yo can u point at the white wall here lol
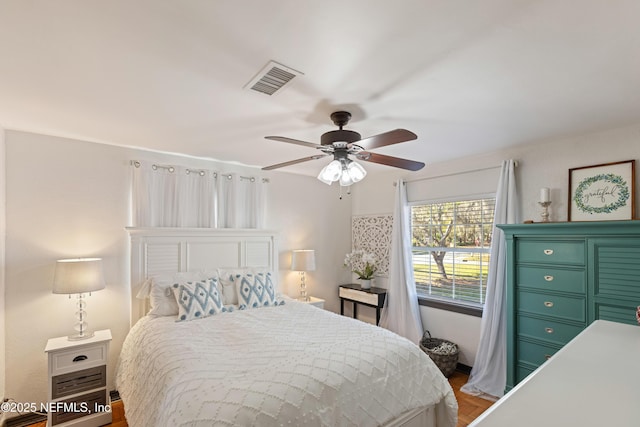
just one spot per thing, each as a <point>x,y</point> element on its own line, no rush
<point>541,164</point>
<point>3,205</point>
<point>68,198</point>
<point>310,215</point>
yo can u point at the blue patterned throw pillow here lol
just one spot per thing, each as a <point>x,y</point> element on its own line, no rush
<point>255,290</point>
<point>198,299</point>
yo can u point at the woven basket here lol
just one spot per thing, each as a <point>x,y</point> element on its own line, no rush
<point>448,361</point>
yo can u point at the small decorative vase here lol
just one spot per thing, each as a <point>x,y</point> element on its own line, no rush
<point>365,283</point>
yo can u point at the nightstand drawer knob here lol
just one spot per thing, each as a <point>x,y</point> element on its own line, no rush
<point>548,330</point>
<point>548,251</point>
<point>80,358</point>
<point>548,304</point>
<point>548,278</point>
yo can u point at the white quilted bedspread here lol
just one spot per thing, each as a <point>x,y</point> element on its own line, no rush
<point>290,365</point>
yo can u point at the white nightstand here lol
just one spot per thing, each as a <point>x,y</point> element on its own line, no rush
<point>78,394</point>
<point>316,302</point>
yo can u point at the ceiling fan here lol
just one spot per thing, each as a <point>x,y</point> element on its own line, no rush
<point>342,143</point>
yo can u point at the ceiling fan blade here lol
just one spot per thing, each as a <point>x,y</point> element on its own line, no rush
<point>388,138</point>
<point>396,162</point>
<point>293,162</point>
<point>293,141</point>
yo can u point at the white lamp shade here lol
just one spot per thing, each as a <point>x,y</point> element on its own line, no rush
<point>331,172</point>
<point>303,260</point>
<point>345,179</point>
<point>345,171</point>
<point>356,171</point>
<point>77,276</point>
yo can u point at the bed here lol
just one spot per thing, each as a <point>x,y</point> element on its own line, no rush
<point>274,362</point>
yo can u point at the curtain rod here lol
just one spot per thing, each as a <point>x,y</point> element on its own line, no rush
<point>250,178</point>
<point>201,172</point>
<point>455,173</point>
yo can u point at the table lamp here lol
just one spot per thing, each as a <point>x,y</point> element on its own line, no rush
<point>303,260</point>
<point>79,276</point>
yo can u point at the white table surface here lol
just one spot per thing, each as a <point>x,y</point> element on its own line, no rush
<point>63,342</point>
<point>593,381</point>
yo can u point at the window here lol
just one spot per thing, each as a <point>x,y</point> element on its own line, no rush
<point>451,249</point>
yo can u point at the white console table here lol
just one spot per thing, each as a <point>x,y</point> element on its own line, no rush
<point>592,381</point>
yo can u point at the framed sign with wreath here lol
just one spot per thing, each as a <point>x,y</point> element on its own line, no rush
<point>602,192</point>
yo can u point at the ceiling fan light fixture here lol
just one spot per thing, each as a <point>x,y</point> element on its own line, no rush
<point>331,172</point>
<point>356,171</point>
<point>345,179</point>
<point>343,170</point>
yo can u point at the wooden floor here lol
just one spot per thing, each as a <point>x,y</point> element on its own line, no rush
<point>469,407</point>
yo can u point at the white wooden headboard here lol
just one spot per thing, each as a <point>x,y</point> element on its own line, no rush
<point>172,250</point>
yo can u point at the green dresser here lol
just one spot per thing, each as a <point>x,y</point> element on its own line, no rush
<point>560,278</point>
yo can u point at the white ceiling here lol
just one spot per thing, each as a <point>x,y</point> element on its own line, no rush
<point>465,76</point>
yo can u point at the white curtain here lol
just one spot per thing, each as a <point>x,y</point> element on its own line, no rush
<point>401,312</point>
<point>250,213</point>
<point>489,372</point>
<point>154,196</point>
<point>174,196</point>
<point>196,198</point>
<point>226,201</point>
<point>240,201</point>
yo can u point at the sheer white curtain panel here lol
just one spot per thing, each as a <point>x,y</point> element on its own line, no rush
<point>154,196</point>
<point>227,204</point>
<point>240,201</point>
<point>250,212</point>
<point>489,372</point>
<point>196,198</point>
<point>174,196</point>
<point>401,311</point>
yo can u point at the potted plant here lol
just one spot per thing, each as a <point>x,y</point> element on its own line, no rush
<point>363,264</point>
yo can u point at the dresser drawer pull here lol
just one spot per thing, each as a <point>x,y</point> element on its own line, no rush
<point>548,330</point>
<point>548,304</point>
<point>547,356</point>
<point>80,358</point>
<point>548,251</point>
<point>548,278</point>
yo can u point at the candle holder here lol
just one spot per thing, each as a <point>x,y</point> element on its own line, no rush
<point>545,210</point>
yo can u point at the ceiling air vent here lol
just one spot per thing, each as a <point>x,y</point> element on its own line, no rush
<point>272,78</point>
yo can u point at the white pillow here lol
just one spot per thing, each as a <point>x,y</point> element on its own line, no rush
<point>198,299</point>
<point>255,290</point>
<point>227,276</point>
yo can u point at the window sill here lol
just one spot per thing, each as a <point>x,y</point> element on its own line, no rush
<point>451,306</point>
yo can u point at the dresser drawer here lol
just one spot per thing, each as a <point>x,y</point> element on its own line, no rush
<point>547,330</point>
<point>522,372</point>
<point>78,382</point>
<point>78,358</point>
<point>535,354</point>
<point>374,299</point>
<point>559,306</point>
<point>551,252</point>
<point>554,279</point>
<point>81,406</point>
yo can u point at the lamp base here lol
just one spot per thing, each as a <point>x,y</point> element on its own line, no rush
<point>80,337</point>
<point>303,288</point>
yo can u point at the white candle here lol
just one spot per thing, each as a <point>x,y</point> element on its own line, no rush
<point>544,195</point>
